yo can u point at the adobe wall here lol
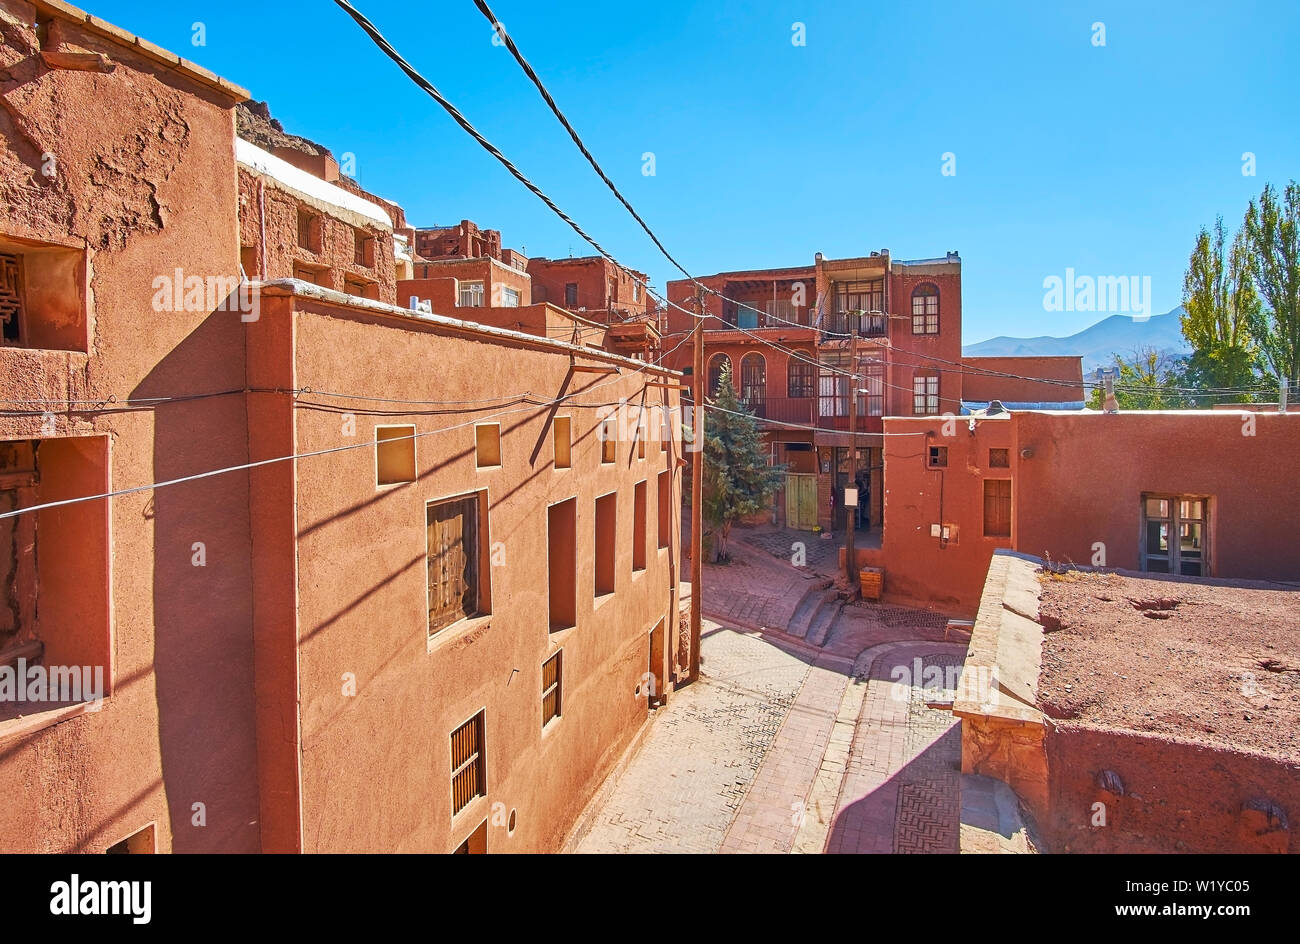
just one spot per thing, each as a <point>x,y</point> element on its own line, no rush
<point>268,230</point>
<point>981,388</point>
<point>1082,485</point>
<point>376,766</point>
<point>921,569</point>
<point>1177,796</point>
<point>141,194</point>
<point>492,274</point>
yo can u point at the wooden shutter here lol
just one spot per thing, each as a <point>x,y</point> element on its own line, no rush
<point>551,689</point>
<point>453,561</point>
<point>997,507</point>
<point>467,774</point>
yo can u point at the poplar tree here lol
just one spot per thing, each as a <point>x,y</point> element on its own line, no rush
<point>1219,301</point>
<point>1273,234</point>
<point>737,478</point>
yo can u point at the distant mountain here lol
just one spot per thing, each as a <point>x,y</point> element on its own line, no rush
<point>1118,334</point>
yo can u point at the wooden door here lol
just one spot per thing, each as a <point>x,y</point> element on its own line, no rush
<point>453,561</point>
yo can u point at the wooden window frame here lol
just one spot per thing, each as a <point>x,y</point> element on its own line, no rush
<point>483,574</point>
<point>1173,558</point>
<point>478,447</point>
<point>415,455</point>
<point>1010,498</point>
<point>478,759</point>
<point>923,398</point>
<point>936,457</point>
<point>925,315</point>
<point>800,380</point>
<point>557,687</point>
<point>565,422</point>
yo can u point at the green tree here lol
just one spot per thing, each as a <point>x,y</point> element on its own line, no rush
<point>1219,301</point>
<point>1149,380</point>
<point>737,478</point>
<point>1273,235</point>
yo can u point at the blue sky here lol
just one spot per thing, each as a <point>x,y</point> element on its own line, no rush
<point>1101,159</point>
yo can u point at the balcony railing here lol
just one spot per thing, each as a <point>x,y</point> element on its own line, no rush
<point>865,324</point>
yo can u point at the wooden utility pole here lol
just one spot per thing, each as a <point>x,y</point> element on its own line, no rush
<point>697,488</point>
<point>850,557</point>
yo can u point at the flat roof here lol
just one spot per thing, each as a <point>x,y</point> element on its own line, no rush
<point>191,70</point>
<point>309,290</point>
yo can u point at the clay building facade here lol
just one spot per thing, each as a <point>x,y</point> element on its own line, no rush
<point>300,595</point>
<point>591,285</point>
<point>1154,492</point>
<point>901,320</point>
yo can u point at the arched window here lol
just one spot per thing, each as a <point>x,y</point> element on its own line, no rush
<point>715,373</point>
<point>753,381</point>
<point>925,309</point>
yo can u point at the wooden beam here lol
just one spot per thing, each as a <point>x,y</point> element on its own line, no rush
<point>590,369</point>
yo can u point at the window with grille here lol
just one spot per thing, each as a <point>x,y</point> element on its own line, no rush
<point>470,295</point>
<point>999,459</point>
<point>363,248</point>
<point>925,310</point>
<point>309,229</point>
<point>11,299</point>
<point>468,769</point>
<point>551,680</point>
<point>453,561</point>
<point>801,379</point>
<point>997,508</point>
<point>571,295</point>
<point>925,395</point>
<point>509,297</point>
<point>753,381</point>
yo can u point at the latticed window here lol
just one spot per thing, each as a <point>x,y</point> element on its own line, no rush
<point>453,561</point>
<point>11,299</point>
<point>551,678</point>
<point>470,295</point>
<point>925,395</point>
<point>801,379</point>
<point>468,770</point>
<point>925,310</point>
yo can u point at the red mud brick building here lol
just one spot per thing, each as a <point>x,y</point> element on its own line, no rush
<point>361,588</point>
<point>901,321</point>
<point>1205,493</point>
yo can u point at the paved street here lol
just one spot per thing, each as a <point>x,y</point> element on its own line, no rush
<point>789,749</point>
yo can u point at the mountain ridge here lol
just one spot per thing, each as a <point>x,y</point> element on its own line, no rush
<point>1097,344</point>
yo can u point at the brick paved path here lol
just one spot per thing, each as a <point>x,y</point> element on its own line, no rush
<point>683,788</point>
<point>781,749</point>
<point>901,790</point>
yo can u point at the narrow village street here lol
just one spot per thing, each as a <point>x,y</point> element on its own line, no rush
<point>796,738</point>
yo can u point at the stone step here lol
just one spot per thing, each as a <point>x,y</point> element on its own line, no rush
<point>824,619</point>
<point>801,620</point>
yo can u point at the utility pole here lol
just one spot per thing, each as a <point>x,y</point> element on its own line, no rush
<point>850,557</point>
<point>697,489</point>
<point>1283,389</point>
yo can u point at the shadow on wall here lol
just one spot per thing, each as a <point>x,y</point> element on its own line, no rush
<point>202,592</point>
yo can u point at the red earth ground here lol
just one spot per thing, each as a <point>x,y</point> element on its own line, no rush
<point>1216,662</point>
